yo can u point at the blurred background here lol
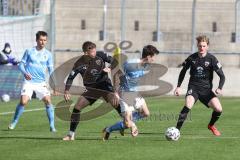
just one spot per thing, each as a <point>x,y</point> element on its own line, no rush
<point>170,25</point>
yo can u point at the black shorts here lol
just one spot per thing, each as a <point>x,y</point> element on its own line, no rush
<point>204,95</point>
<point>94,92</point>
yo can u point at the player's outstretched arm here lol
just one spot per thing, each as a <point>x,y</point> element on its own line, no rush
<point>69,82</point>
<point>67,95</point>
<point>109,59</point>
<point>27,76</point>
<point>116,86</point>
<point>180,80</point>
<point>221,78</point>
<point>186,66</point>
<point>68,85</point>
<point>221,81</point>
<point>217,67</point>
<point>21,65</point>
<point>116,80</point>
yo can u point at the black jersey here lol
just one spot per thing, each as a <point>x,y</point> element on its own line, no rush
<point>91,69</point>
<point>201,71</point>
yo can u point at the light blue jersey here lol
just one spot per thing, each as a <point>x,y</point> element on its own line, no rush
<point>133,71</point>
<point>35,63</point>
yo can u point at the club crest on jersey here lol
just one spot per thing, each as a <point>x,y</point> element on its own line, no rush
<point>98,62</point>
<point>189,91</point>
<point>45,57</point>
<point>207,64</point>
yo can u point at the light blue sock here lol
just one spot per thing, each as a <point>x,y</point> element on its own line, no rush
<point>18,112</point>
<point>50,115</point>
<point>120,125</point>
<point>137,116</point>
<point>116,127</point>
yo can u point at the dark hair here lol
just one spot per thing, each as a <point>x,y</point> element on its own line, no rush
<point>41,33</point>
<point>149,50</point>
<point>88,46</point>
<point>7,45</point>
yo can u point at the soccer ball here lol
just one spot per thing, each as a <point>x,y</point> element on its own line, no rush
<point>5,98</point>
<point>172,134</point>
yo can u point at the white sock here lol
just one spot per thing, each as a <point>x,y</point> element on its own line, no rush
<point>71,133</point>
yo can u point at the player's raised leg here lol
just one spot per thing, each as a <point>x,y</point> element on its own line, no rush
<point>75,117</point>
<point>141,108</point>
<point>113,99</point>
<point>131,114</point>
<point>129,118</point>
<point>18,112</point>
<point>217,111</point>
<point>189,102</point>
<point>119,126</point>
<point>126,123</point>
<point>129,123</point>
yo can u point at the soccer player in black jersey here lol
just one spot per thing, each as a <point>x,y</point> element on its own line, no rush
<point>201,64</point>
<point>94,73</point>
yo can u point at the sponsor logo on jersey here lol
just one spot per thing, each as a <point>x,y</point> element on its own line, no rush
<point>200,72</point>
<point>199,69</point>
<point>94,71</point>
<point>189,91</point>
<point>193,62</point>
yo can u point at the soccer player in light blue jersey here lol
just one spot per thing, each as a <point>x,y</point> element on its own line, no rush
<point>133,106</point>
<point>33,66</point>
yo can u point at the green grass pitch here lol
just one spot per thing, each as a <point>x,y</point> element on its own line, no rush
<point>32,140</point>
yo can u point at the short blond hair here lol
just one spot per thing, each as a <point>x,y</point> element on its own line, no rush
<point>202,38</point>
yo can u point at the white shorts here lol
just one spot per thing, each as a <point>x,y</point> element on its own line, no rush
<point>40,89</point>
<point>136,106</point>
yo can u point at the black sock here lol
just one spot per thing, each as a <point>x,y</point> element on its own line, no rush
<point>75,118</point>
<point>118,109</point>
<point>182,117</point>
<point>215,117</point>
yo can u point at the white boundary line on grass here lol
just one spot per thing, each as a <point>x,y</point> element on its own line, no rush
<point>33,110</point>
<point>29,110</point>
